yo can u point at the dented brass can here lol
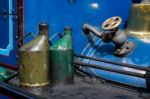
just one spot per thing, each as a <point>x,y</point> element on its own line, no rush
<point>61,60</point>
<point>139,21</point>
<point>34,60</point>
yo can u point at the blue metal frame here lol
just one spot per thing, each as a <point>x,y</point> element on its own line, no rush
<point>9,47</point>
<point>8,29</point>
<point>60,13</point>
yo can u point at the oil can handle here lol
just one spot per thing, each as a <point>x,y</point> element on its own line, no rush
<point>23,37</point>
<point>53,36</point>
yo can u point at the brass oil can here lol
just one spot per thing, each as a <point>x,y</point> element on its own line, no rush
<point>34,60</point>
<point>139,21</point>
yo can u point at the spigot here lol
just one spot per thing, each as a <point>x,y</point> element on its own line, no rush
<point>111,33</point>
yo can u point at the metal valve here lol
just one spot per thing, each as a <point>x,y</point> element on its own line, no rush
<point>111,33</point>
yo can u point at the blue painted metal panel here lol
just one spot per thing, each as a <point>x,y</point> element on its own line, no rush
<point>8,43</point>
<point>60,13</point>
<point>105,51</point>
<point>4,6</point>
<point>4,40</point>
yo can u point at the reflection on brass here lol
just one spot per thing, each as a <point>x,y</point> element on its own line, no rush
<point>139,21</point>
<point>33,85</point>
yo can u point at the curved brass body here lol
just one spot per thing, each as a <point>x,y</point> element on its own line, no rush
<point>139,21</point>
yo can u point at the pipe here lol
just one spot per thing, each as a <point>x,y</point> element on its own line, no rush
<point>87,28</point>
<point>110,69</point>
<point>115,63</point>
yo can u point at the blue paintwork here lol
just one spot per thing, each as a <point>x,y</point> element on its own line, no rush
<point>139,56</point>
<point>8,47</point>
<point>60,13</point>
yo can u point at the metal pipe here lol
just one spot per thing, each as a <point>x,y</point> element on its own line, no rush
<point>110,69</point>
<point>115,63</point>
<point>87,28</point>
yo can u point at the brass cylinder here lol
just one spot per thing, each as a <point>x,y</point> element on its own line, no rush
<point>34,60</point>
<point>139,21</point>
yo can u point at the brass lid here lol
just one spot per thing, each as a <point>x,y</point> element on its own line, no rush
<point>43,26</point>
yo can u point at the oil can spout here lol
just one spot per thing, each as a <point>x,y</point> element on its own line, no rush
<point>43,29</point>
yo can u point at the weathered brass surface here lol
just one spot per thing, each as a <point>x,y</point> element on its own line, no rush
<point>139,21</point>
<point>34,61</point>
<point>112,23</point>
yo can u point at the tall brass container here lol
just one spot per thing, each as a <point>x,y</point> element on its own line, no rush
<point>139,21</point>
<point>34,60</point>
<point>61,60</point>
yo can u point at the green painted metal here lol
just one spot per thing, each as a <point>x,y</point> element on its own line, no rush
<point>61,60</point>
<point>33,60</point>
<point>6,74</point>
<point>3,75</point>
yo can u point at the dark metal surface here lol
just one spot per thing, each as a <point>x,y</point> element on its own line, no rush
<point>16,93</point>
<point>86,88</point>
<point>110,69</point>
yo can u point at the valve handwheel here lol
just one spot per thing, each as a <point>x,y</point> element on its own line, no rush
<point>112,23</point>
